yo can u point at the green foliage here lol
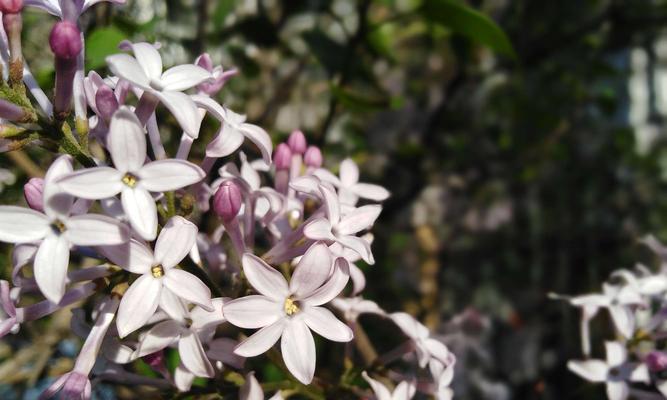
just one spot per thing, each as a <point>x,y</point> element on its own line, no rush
<point>100,43</point>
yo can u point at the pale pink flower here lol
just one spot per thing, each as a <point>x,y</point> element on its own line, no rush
<point>349,187</point>
<point>403,391</point>
<point>144,71</point>
<point>133,179</point>
<point>251,390</point>
<point>353,307</point>
<point>341,229</point>
<point>160,283</point>
<point>57,230</point>
<point>428,349</point>
<point>289,311</point>
<point>615,371</point>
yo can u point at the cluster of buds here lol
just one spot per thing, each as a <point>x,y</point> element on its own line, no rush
<point>281,234</point>
<point>635,361</point>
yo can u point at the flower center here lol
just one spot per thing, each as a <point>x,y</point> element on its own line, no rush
<point>156,84</point>
<point>290,306</point>
<point>130,180</point>
<point>58,227</point>
<point>157,271</point>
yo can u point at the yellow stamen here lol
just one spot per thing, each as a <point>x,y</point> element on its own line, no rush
<point>59,226</point>
<point>290,307</point>
<point>130,180</point>
<point>157,271</point>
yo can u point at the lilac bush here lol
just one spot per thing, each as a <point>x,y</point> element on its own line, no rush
<point>216,260</point>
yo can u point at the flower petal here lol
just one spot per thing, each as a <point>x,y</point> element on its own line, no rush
<point>183,109</point>
<point>333,286</point>
<point>404,390</point>
<point>158,337</point>
<point>312,271</point>
<point>359,245</point>
<point>318,229</point>
<point>349,172</point>
<point>133,256</point>
<point>22,225</point>
<point>172,174</point>
<point>126,141</point>
<point>264,278</point>
<point>57,204</point>
<point>251,390</point>
<point>380,390</point>
<point>591,370</point>
<point>206,320</point>
<point>173,306</point>
<point>183,378</point>
<point>176,240</point>
<point>93,183</point>
<point>50,266</point>
<point>262,340</point>
<point>616,353</point>
<point>138,304</point>
<point>298,349</point>
<point>141,211</point>
<point>227,141</point>
<point>331,204</point>
<point>358,219</point>
<point>222,349</point>
<point>370,191</point>
<point>260,138</point>
<point>188,287</point>
<point>325,324</point>
<point>127,67</point>
<point>617,390</point>
<point>623,319</point>
<point>95,230</point>
<point>253,311</point>
<point>182,77</point>
<point>148,57</point>
<point>193,356</point>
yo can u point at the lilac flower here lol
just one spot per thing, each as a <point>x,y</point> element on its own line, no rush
<point>251,390</point>
<point>57,230</point>
<point>160,283</point>
<point>220,76</point>
<point>615,371</point>
<point>349,187</point>
<point>428,349</point>
<point>133,179</point>
<point>403,391</point>
<point>342,229</point>
<point>353,307</point>
<point>144,71</point>
<point>289,312</point>
<point>55,7</point>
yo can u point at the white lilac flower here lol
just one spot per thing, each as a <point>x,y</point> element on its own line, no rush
<point>160,284</point>
<point>353,307</point>
<point>55,7</point>
<point>341,229</point>
<point>57,230</point>
<point>349,187</point>
<point>251,390</point>
<point>428,349</point>
<point>289,311</point>
<point>144,71</point>
<point>615,371</point>
<point>130,177</point>
<point>403,391</point>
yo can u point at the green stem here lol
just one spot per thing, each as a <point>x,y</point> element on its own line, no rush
<point>171,204</point>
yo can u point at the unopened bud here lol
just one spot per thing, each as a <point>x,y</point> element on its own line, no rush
<point>205,62</point>
<point>65,40</point>
<point>282,157</point>
<point>656,361</point>
<point>33,193</point>
<point>227,200</point>
<point>106,102</point>
<point>297,142</point>
<point>155,360</point>
<point>313,157</point>
<point>11,6</point>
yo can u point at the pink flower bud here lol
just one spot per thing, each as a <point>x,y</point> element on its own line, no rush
<point>297,142</point>
<point>205,62</point>
<point>11,6</point>
<point>33,192</point>
<point>313,157</point>
<point>106,102</point>
<point>656,361</point>
<point>155,360</point>
<point>282,157</point>
<point>227,200</point>
<point>65,40</point>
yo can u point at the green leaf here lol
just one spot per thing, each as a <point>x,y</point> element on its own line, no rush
<point>466,21</point>
<point>221,12</point>
<point>101,43</point>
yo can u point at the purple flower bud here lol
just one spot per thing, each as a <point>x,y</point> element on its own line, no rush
<point>282,157</point>
<point>106,102</point>
<point>155,360</point>
<point>65,40</point>
<point>11,6</point>
<point>297,142</point>
<point>227,200</point>
<point>205,62</point>
<point>33,191</point>
<point>313,157</point>
<point>656,361</point>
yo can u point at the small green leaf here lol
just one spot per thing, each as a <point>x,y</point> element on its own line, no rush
<point>466,21</point>
<point>101,43</point>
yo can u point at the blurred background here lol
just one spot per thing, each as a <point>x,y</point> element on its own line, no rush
<point>523,142</point>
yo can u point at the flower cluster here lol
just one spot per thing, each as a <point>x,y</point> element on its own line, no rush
<point>281,234</point>
<point>634,364</point>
